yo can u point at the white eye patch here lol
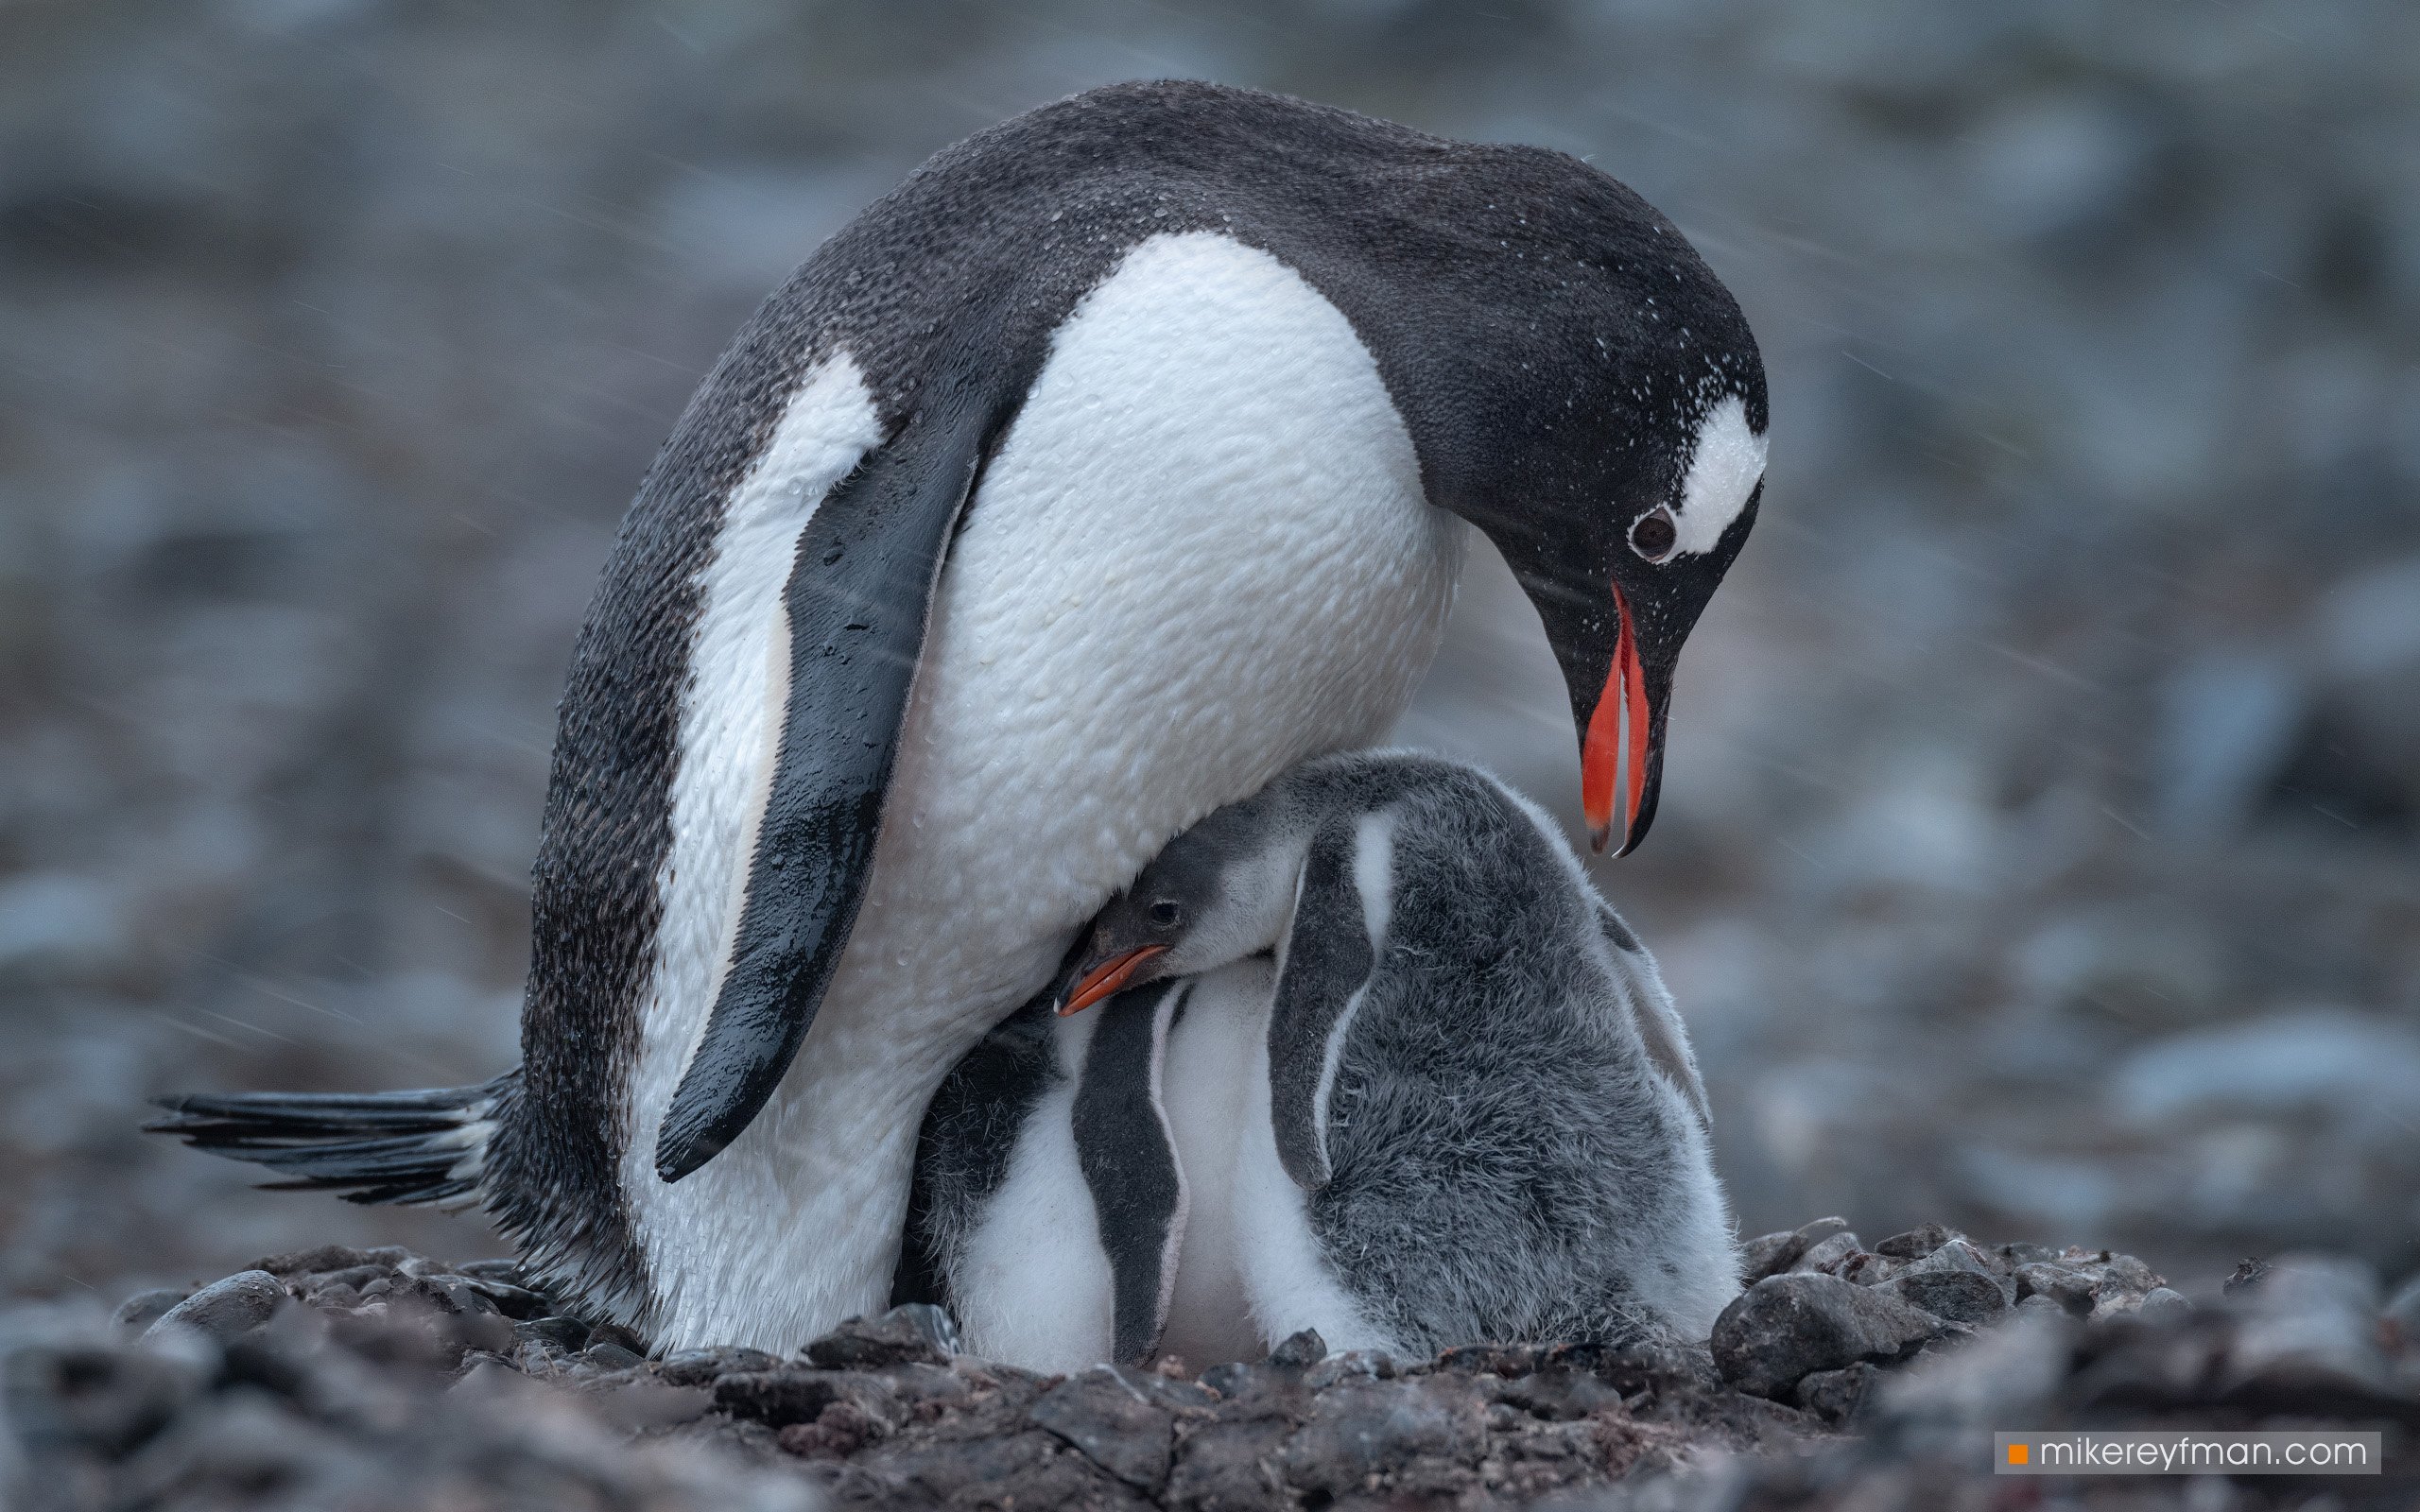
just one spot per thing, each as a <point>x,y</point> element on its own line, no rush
<point>1724,469</point>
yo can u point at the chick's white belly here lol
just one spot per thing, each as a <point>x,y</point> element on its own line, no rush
<point>1209,1055</point>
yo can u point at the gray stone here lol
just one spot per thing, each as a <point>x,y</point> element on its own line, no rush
<point>1955,1254</point>
<point>143,1309</point>
<point>1113,1416</point>
<point>699,1367</point>
<point>568,1334</point>
<point>917,1332</point>
<point>610,1356</point>
<point>1353,1365</point>
<point>2164,1305</point>
<point>227,1309</point>
<point>2119,1282</point>
<point>794,1394</point>
<point>1959,1296</point>
<point>1772,1254</point>
<point>1825,1254</point>
<point>2067,1288</point>
<point>1837,1396</point>
<point>1915,1243</point>
<point>1361,1430</point>
<point>1786,1328</point>
<point>1767,1255</point>
<point>2311,1324</point>
<point>1298,1352</point>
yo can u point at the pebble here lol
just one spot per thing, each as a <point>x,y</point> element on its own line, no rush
<point>1119,1419</point>
<point>1837,1396</point>
<point>1771,1254</point>
<point>1827,1254</point>
<point>1959,1296</point>
<point>1788,1327</point>
<point>2311,1324</point>
<point>1915,1243</point>
<point>228,1309</point>
<point>143,1309</point>
<point>915,1332</point>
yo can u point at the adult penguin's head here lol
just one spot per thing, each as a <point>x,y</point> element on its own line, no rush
<point>1619,583</point>
<point>1582,388</point>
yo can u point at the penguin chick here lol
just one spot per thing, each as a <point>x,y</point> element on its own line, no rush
<point>1472,1116</point>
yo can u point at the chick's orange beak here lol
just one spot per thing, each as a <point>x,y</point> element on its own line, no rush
<point>1612,763</point>
<point>1107,978</point>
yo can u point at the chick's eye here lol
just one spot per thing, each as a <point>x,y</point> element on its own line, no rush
<point>1654,534</point>
<point>1166,912</point>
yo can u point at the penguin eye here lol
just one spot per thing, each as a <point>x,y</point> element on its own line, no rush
<point>1166,913</point>
<point>1654,533</point>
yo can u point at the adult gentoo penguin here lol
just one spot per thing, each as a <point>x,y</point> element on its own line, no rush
<point>1458,1107</point>
<point>1109,466</point>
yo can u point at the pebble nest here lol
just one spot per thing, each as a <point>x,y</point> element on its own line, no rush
<point>1842,1377</point>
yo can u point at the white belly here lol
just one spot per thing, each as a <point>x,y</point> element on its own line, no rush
<point>1210,1055</point>
<point>1201,555</point>
<point>1031,1287</point>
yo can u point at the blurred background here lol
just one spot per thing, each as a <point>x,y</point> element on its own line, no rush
<point>2038,849</point>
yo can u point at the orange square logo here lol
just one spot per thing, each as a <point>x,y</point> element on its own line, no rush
<point>2019,1454</point>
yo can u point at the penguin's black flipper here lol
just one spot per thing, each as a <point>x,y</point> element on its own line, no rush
<point>859,597</point>
<point>410,1147</point>
<point>1328,958</point>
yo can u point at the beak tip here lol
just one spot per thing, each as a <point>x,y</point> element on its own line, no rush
<point>1599,836</point>
<point>1105,979</point>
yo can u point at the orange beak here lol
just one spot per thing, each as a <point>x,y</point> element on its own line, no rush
<point>1107,978</point>
<point>1612,763</point>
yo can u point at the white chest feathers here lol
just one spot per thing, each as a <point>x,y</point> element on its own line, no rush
<point>1200,556</point>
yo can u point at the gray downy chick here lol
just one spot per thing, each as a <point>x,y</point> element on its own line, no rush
<point>1367,1053</point>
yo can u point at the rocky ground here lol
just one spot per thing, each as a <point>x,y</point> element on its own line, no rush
<point>376,1380</point>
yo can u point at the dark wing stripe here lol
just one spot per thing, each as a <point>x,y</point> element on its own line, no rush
<point>1327,958</point>
<point>1129,1160</point>
<point>859,598</point>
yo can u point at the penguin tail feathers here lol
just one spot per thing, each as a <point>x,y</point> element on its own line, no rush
<point>415,1148</point>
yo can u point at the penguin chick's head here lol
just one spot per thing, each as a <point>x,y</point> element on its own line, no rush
<point>1218,893</point>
